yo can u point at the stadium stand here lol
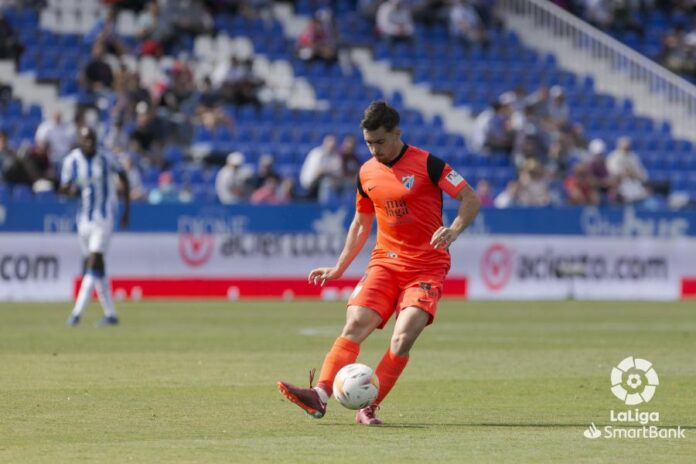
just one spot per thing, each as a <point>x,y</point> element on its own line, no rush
<point>154,108</point>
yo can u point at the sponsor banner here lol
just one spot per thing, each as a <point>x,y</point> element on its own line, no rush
<point>688,288</point>
<point>572,267</point>
<point>35,267</point>
<point>45,266</point>
<point>297,218</point>
<point>137,288</point>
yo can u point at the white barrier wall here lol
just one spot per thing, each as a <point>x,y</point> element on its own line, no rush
<point>36,266</point>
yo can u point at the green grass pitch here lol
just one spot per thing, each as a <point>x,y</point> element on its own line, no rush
<point>194,382</point>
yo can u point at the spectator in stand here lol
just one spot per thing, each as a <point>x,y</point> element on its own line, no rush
<point>466,25</point>
<point>598,169</point>
<point>39,167</point>
<point>57,135</point>
<point>10,46</point>
<point>581,187</point>
<point>209,108</point>
<point>493,130</point>
<point>624,165</point>
<point>177,102</point>
<point>128,99</point>
<point>558,110</point>
<point>483,192</point>
<point>395,21</point>
<point>264,172</point>
<point>509,196</point>
<point>557,160</point>
<point>237,82</point>
<point>529,145</point>
<point>188,17</point>
<point>116,136</point>
<point>13,169</point>
<point>350,163</point>
<point>273,192</point>
<point>146,139</point>
<point>135,179</point>
<point>104,31</point>
<point>166,191</point>
<point>5,93</point>
<point>600,13</point>
<point>615,15</point>
<point>319,40</point>
<point>232,180</point>
<point>321,170</point>
<point>247,8</point>
<point>368,9</point>
<point>626,16</point>
<point>678,51</point>
<point>155,31</point>
<point>533,186</point>
<point>97,76</point>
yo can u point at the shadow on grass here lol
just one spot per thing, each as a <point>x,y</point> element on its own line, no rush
<point>384,426</point>
<point>495,425</point>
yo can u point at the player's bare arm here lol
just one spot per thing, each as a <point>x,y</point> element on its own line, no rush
<point>125,217</point>
<point>469,206</point>
<point>358,233</point>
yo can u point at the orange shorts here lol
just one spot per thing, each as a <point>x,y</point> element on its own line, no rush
<point>386,291</point>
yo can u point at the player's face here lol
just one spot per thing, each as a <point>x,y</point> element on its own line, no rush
<point>88,144</point>
<point>384,145</point>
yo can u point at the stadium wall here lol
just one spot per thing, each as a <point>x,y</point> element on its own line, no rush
<point>188,251</point>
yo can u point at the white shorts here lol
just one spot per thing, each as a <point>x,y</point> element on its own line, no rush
<point>94,236</point>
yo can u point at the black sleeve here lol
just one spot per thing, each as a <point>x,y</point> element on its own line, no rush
<point>360,188</point>
<point>435,168</point>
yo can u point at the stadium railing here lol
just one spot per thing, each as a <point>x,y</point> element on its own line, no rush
<point>676,96</point>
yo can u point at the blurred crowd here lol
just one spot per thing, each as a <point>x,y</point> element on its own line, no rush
<point>555,162</point>
<point>678,43</point>
<point>150,124</point>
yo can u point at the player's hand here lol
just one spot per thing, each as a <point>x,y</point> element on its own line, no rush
<point>71,190</point>
<point>320,275</point>
<point>443,238</point>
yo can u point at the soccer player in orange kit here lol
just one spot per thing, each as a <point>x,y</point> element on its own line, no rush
<point>402,186</point>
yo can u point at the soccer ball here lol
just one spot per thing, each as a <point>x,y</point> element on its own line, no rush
<point>355,386</point>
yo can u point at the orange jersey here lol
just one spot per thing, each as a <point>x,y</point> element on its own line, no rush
<point>406,197</point>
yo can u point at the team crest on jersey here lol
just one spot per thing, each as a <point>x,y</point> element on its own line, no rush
<point>408,181</point>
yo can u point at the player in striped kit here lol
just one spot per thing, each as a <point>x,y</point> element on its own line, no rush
<point>89,173</point>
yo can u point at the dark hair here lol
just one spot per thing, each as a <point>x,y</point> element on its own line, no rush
<point>379,114</point>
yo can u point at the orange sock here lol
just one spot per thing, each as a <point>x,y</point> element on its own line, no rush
<point>388,372</point>
<point>343,352</point>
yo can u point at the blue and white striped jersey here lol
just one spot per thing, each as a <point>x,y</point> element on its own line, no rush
<point>96,178</point>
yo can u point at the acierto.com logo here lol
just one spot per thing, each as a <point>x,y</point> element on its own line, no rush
<point>634,381</point>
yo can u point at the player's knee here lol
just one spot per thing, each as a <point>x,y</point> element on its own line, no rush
<point>356,330</point>
<point>401,343</point>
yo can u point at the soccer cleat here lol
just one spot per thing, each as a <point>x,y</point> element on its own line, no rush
<point>306,398</point>
<point>108,320</point>
<point>73,320</point>
<point>368,416</point>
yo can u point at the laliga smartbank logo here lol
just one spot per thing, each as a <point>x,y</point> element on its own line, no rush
<point>634,381</point>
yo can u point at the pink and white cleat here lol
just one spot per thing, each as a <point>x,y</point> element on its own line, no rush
<point>368,416</point>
